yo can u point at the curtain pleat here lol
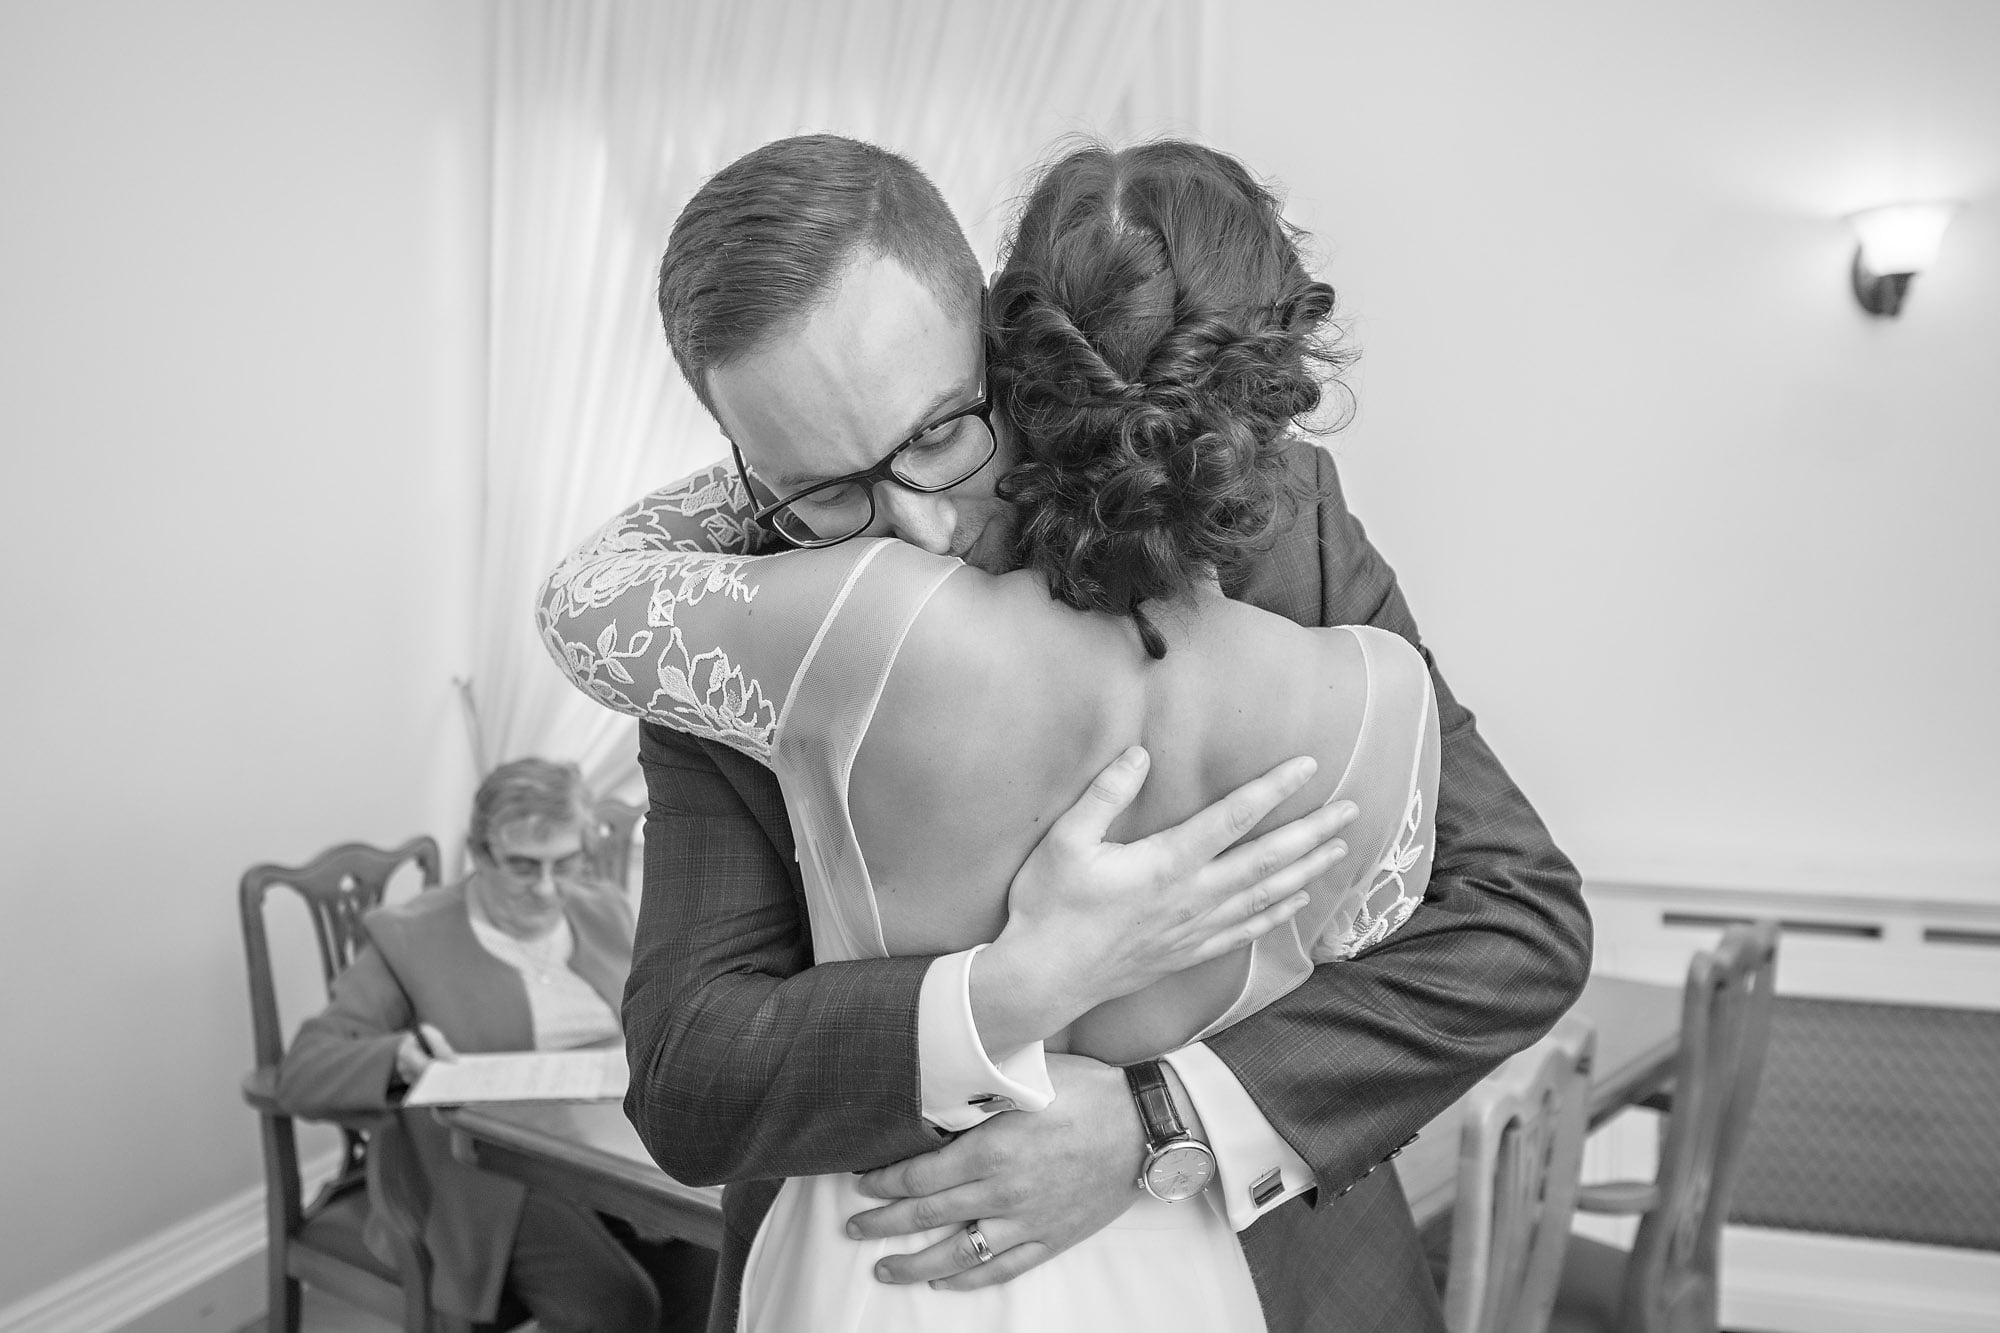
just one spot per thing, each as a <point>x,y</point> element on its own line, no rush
<point>608,115</point>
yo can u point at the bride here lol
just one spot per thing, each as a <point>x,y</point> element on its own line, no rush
<point>1153,335</point>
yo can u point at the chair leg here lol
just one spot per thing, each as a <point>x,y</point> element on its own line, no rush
<point>281,1299</point>
<point>417,1316</point>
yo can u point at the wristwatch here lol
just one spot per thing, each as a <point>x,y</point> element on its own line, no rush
<point>1178,1165</point>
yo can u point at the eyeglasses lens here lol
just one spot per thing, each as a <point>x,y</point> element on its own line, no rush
<point>942,457</point>
<point>529,868</point>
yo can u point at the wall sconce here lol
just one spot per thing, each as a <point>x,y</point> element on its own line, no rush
<point>1897,242</point>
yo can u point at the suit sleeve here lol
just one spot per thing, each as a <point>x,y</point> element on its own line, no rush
<point>1354,1062</point>
<point>341,1061</point>
<point>748,1062</point>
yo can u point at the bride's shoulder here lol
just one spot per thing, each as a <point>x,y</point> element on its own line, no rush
<point>1371,640</point>
<point>1386,657</point>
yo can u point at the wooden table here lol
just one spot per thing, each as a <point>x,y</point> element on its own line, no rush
<point>591,1155</point>
<point>1638,1039</point>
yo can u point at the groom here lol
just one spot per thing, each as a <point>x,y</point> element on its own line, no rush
<point>824,305</point>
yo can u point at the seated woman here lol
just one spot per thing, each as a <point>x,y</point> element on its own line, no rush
<point>1154,336</point>
<point>528,953</point>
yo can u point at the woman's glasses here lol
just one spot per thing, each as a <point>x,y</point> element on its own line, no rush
<point>530,869</point>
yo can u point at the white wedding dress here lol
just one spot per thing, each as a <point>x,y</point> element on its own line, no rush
<point>785,657</point>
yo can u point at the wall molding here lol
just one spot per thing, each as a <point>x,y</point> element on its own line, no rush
<point>129,1287</point>
<point>1837,946</point>
<point>1981,909</point>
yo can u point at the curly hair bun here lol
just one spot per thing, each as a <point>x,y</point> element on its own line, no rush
<point>1155,335</point>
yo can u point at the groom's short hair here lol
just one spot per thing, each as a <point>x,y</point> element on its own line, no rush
<point>763,240</point>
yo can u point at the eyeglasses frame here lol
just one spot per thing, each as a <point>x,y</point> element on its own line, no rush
<point>869,478</point>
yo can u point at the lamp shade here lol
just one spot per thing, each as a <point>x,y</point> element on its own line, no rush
<point>1901,238</point>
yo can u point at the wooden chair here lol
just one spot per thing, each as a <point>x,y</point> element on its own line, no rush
<point>1519,1154</point>
<point>611,849</point>
<point>1669,1281</point>
<point>321,1242</point>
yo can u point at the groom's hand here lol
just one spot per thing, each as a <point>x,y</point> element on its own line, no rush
<point>1036,1183</point>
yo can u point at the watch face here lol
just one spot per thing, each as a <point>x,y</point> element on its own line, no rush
<point>1179,1171</point>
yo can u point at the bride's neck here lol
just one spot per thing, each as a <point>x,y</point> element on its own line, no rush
<point>1179,617</point>
<point>1203,590</point>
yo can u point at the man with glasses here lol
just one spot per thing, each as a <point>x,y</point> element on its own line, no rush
<point>529,952</point>
<point>822,302</point>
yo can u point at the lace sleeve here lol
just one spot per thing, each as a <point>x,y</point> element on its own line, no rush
<point>703,511</point>
<point>662,616</point>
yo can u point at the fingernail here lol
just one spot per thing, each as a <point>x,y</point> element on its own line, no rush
<point>853,1231</point>
<point>881,1272</point>
<point>1135,756</point>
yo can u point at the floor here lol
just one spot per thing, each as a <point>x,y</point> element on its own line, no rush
<point>321,1313</point>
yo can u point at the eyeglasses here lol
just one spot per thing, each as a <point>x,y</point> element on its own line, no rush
<point>530,869</point>
<point>944,454</point>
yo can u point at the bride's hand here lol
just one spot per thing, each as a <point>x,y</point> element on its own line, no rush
<point>1090,920</point>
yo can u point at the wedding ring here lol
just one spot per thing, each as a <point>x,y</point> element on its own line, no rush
<point>979,1245</point>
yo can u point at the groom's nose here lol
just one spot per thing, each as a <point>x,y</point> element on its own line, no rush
<point>921,520</point>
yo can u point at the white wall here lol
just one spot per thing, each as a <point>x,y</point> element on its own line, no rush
<point>241,251</point>
<point>1710,551</point>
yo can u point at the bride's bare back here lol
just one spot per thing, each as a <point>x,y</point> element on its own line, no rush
<point>929,722</point>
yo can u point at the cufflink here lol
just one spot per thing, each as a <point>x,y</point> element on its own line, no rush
<point>990,1103</point>
<point>1266,1187</point>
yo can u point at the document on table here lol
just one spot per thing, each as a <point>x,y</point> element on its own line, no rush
<point>594,1075</point>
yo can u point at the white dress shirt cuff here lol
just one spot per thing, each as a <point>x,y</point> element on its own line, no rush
<point>1255,1170</point>
<point>961,1083</point>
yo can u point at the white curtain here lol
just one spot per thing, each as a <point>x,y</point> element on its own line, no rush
<point>609,114</point>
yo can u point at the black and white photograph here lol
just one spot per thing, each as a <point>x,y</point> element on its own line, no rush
<point>1000,666</point>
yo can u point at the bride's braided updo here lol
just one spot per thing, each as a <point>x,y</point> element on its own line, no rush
<point>1154,336</point>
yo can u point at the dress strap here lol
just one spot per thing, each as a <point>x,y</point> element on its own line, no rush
<point>831,704</point>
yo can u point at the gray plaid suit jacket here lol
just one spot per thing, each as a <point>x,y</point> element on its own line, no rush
<point>749,1064</point>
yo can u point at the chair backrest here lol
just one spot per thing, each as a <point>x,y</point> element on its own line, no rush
<point>611,850</point>
<point>1671,1279</point>
<point>1519,1156</point>
<point>338,887</point>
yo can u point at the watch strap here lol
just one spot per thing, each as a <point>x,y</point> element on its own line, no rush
<point>1157,1115</point>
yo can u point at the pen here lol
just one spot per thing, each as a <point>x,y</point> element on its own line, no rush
<point>423,1043</point>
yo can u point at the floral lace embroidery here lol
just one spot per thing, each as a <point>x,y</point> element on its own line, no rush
<point>715,499</point>
<point>707,694</point>
<point>1391,898</point>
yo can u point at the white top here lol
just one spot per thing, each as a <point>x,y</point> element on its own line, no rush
<point>566,1010</point>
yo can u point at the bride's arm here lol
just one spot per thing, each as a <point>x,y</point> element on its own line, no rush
<point>704,643</point>
<point>707,510</point>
